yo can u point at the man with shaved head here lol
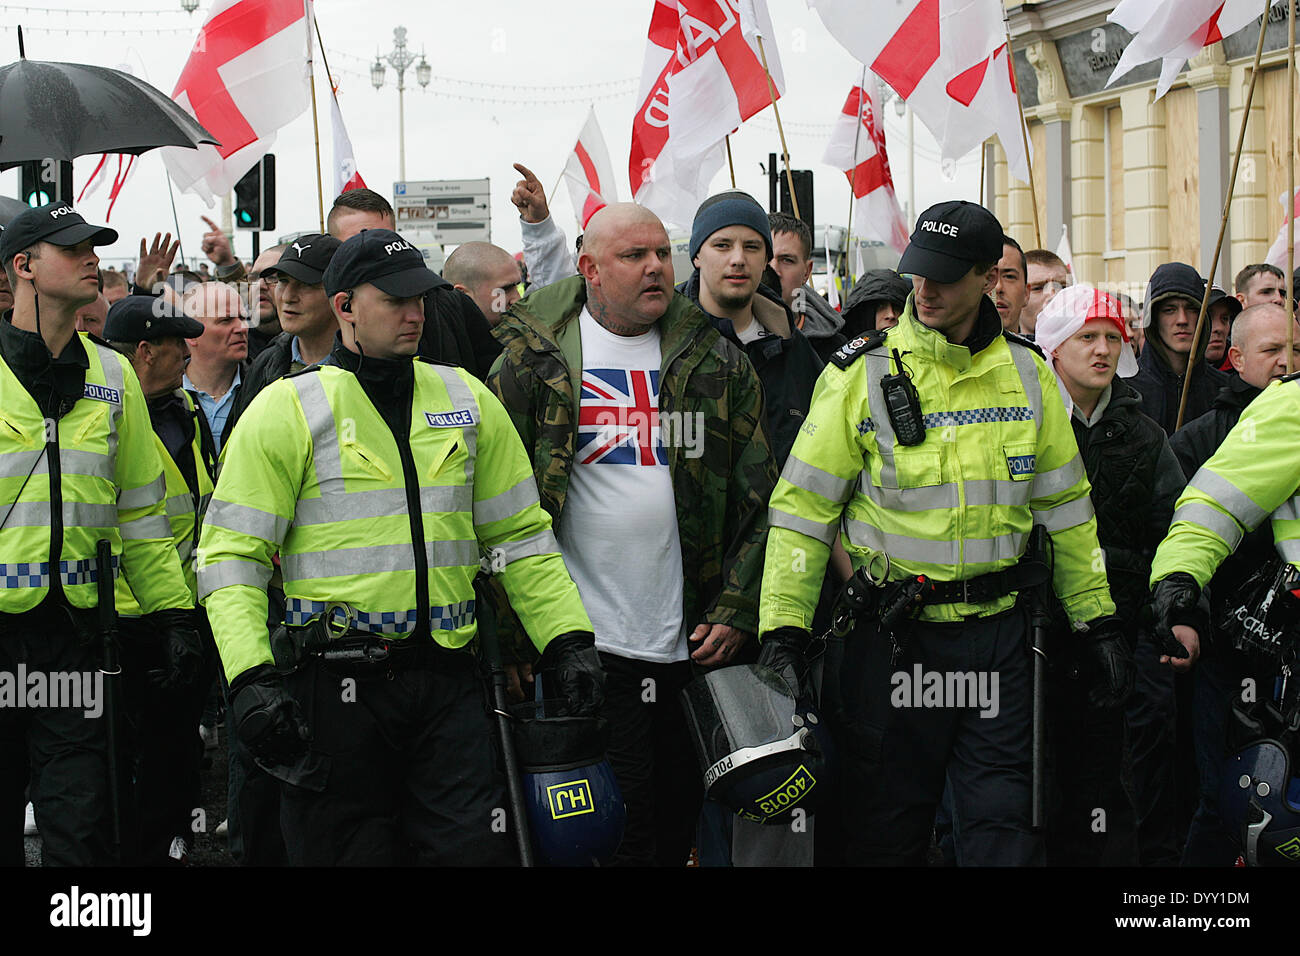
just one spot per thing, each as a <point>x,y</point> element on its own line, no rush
<point>626,465</point>
<point>1258,351</point>
<point>487,274</point>
<point>215,356</point>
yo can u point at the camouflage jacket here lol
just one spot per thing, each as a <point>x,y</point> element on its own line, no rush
<point>721,486</point>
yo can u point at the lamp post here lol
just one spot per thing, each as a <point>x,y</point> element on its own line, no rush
<point>189,6</point>
<point>399,59</point>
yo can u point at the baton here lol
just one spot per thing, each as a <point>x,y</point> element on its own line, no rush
<point>110,668</point>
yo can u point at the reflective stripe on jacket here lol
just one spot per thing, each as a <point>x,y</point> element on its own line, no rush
<point>1255,474</point>
<point>999,456</point>
<point>109,485</point>
<point>313,472</point>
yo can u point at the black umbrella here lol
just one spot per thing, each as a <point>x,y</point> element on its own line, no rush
<point>10,208</point>
<point>64,110</point>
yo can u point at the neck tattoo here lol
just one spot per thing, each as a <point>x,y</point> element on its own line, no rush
<point>600,312</point>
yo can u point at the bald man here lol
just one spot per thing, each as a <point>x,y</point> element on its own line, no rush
<point>648,511</point>
<point>487,274</point>
<point>91,316</point>
<point>215,356</point>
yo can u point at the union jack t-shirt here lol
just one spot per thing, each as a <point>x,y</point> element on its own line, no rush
<point>618,530</point>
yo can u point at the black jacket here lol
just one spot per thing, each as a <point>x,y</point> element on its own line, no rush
<point>787,367</point>
<point>1195,444</point>
<point>456,333</point>
<point>1135,482</point>
<point>273,362</point>
<point>1162,389</point>
<point>1196,441</point>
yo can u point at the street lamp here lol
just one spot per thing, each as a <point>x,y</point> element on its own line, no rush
<point>399,59</point>
<point>189,6</point>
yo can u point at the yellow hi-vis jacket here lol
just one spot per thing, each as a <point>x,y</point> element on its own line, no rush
<point>1255,473</point>
<point>99,469</point>
<point>183,508</point>
<point>313,472</point>
<point>998,456</point>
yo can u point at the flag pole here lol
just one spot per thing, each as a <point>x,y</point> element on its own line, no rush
<point>1290,166</point>
<point>1024,141</point>
<point>983,153</point>
<point>315,126</point>
<point>1223,221</point>
<point>730,165</point>
<point>853,168</point>
<point>785,152</point>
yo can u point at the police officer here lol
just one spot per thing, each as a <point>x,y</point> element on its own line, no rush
<point>78,463</point>
<point>938,444</point>
<point>379,480</point>
<point>163,720</point>
<point>1255,474</point>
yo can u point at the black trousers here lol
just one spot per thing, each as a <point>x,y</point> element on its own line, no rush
<point>653,760</point>
<point>413,773</point>
<point>1151,717</point>
<point>61,751</point>
<point>897,746</point>
<point>163,748</point>
<point>1090,820</point>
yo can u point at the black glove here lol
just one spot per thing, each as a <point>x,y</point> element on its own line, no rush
<point>573,660</point>
<point>1108,663</point>
<point>267,718</point>
<point>182,648</point>
<point>1175,600</point>
<point>785,651</point>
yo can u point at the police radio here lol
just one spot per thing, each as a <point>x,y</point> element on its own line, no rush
<point>904,405</point>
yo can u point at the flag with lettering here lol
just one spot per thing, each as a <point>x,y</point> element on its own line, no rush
<point>1174,31</point>
<point>702,77</point>
<point>246,77</point>
<point>857,147</point>
<point>947,58</point>
<point>588,173</point>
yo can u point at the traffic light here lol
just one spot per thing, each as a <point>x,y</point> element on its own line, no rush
<point>45,181</point>
<point>803,190</point>
<point>255,196</point>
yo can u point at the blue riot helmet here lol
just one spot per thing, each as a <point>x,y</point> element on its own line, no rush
<point>575,808</point>
<point>763,752</point>
<point>1259,801</point>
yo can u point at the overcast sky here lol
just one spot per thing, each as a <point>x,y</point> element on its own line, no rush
<point>488,58</point>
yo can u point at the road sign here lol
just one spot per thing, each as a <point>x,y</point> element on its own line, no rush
<point>444,211</point>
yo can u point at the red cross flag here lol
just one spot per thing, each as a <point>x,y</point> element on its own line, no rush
<point>857,147</point>
<point>947,58</point>
<point>245,78</point>
<point>345,161</point>
<point>1277,252</point>
<point>702,77</point>
<point>1174,31</point>
<point>588,172</point>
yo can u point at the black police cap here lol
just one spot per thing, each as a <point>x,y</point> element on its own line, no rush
<point>56,223</point>
<point>144,318</point>
<point>385,260</point>
<point>949,239</point>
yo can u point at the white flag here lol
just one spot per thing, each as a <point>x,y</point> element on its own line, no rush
<point>702,77</point>
<point>589,174</point>
<point>1174,32</point>
<point>246,77</point>
<point>345,161</point>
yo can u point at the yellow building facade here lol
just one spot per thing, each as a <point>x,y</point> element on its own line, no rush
<point>1140,181</point>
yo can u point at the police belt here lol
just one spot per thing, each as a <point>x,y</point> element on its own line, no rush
<point>892,601</point>
<point>336,645</point>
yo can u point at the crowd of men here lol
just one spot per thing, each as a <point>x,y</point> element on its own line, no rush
<point>303,469</point>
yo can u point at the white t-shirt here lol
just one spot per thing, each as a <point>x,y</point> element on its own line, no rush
<point>618,531</point>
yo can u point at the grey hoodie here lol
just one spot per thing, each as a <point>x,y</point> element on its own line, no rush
<point>819,323</point>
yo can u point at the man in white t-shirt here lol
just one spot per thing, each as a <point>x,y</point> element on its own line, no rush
<point>646,432</point>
